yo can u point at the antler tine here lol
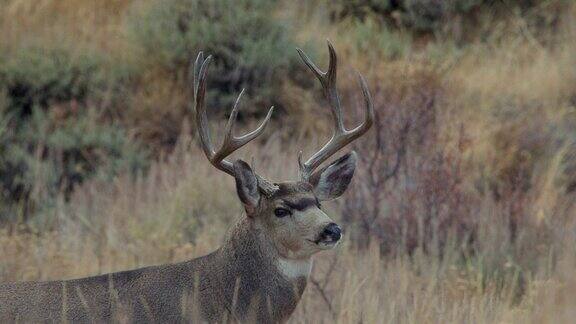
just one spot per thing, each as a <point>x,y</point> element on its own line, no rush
<point>197,65</point>
<point>230,143</point>
<point>341,137</point>
<point>200,69</point>
<point>328,81</point>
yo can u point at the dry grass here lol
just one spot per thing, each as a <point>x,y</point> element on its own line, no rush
<point>172,215</point>
<point>93,23</point>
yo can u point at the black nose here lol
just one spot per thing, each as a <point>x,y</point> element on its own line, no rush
<point>333,230</point>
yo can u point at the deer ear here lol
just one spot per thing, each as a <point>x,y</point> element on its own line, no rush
<point>331,181</point>
<point>246,186</point>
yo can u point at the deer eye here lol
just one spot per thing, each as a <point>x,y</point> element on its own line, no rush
<point>281,212</point>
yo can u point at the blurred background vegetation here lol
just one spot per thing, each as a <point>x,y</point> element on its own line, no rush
<point>473,150</point>
<point>95,90</point>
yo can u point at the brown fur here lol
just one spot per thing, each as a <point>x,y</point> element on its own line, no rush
<point>238,282</point>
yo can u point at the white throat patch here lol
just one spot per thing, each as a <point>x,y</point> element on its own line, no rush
<point>293,269</point>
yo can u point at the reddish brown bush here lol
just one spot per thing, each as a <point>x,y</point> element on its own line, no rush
<point>409,191</point>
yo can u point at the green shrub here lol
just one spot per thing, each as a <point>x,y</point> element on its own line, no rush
<point>41,76</point>
<point>380,41</point>
<point>432,15</point>
<point>361,9</point>
<point>44,158</point>
<point>252,48</point>
<point>441,16</point>
<point>49,140</point>
<point>419,15</point>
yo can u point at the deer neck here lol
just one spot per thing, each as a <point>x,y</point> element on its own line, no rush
<point>253,271</point>
<point>247,242</point>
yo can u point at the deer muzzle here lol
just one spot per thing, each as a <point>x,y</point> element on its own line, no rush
<point>330,235</point>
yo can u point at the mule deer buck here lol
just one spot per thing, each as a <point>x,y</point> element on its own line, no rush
<point>258,274</point>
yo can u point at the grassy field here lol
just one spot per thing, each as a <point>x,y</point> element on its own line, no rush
<point>462,209</point>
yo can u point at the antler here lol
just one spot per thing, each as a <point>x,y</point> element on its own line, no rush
<point>231,143</point>
<point>341,136</point>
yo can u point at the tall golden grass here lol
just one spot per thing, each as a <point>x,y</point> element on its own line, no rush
<point>174,214</point>
<point>513,96</point>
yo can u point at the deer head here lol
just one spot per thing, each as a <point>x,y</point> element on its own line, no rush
<point>289,212</point>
